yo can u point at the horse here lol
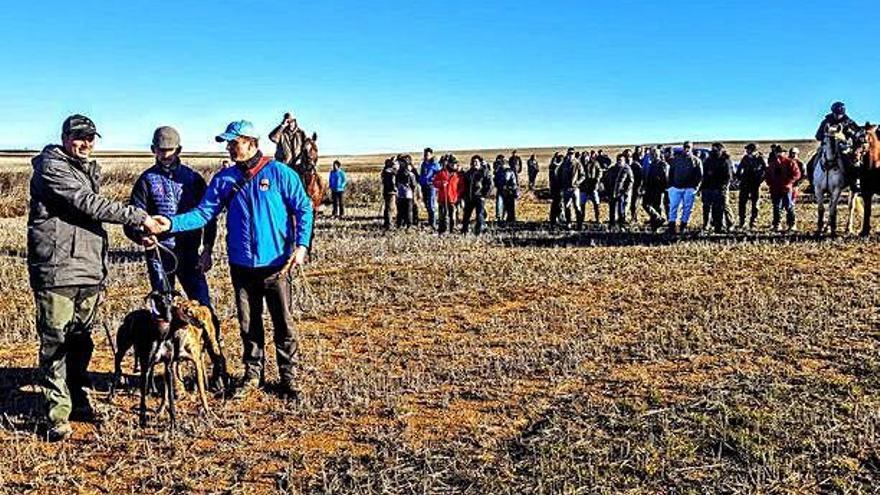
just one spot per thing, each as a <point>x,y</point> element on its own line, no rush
<point>870,173</point>
<point>829,177</point>
<point>307,168</point>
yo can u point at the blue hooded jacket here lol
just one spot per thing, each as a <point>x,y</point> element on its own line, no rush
<point>338,180</point>
<point>427,173</point>
<point>260,231</point>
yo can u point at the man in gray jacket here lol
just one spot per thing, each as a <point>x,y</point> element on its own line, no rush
<point>67,267</point>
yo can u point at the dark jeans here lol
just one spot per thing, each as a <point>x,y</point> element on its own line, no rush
<point>404,212</point>
<point>386,211</point>
<point>715,208</point>
<point>652,203</point>
<point>555,206</point>
<point>64,323</point>
<point>338,203</point>
<point>447,217</point>
<point>478,207</point>
<point>508,201</point>
<point>429,198</point>
<point>748,194</point>
<point>533,175</point>
<point>783,201</point>
<point>253,287</point>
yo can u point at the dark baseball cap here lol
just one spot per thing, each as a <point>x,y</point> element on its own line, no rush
<point>166,138</point>
<point>78,126</point>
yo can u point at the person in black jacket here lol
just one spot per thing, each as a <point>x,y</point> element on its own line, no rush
<point>751,175</point>
<point>477,185</point>
<point>555,189</point>
<point>533,171</point>
<point>67,267</point>
<point>717,173</point>
<point>634,160</point>
<point>389,190</point>
<point>655,184</point>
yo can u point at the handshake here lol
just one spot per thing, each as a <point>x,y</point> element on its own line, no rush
<point>157,224</point>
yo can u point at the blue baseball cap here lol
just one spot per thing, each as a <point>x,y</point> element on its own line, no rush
<point>236,129</point>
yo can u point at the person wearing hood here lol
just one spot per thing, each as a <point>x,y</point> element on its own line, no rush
<point>269,221</point>
<point>167,188</point>
<point>717,173</point>
<point>67,267</point>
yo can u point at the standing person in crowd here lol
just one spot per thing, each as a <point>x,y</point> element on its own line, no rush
<point>570,176</point>
<point>498,178</point>
<point>795,155</point>
<point>635,163</point>
<point>589,188</point>
<point>604,160</point>
<point>618,185</point>
<point>389,190</point>
<point>477,185</point>
<point>555,189</point>
<point>167,188</point>
<point>509,193</point>
<point>515,163</point>
<point>656,182</point>
<point>289,139</point>
<point>67,268</point>
<point>448,183</point>
<point>782,174</point>
<point>427,172</point>
<point>406,183</point>
<point>338,182</point>
<point>752,169</point>
<point>717,173</point>
<point>685,176</point>
<point>267,235</point>
<point>533,171</point>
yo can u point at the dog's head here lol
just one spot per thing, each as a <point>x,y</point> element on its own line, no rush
<point>192,312</point>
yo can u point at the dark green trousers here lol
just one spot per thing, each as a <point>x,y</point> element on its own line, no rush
<point>64,320</point>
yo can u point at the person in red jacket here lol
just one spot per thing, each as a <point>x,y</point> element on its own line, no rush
<point>447,182</point>
<point>781,175</point>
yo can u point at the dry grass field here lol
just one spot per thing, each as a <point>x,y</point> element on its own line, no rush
<point>522,362</point>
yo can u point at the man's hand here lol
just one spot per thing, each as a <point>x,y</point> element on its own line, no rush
<point>206,261</point>
<point>157,224</point>
<point>298,258</point>
<point>148,241</point>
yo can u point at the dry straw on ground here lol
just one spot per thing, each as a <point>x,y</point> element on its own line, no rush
<point>504,365</point>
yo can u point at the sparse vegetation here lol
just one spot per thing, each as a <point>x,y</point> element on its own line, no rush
<point>508,363</point>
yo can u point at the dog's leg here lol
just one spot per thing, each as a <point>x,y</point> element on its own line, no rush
<point>144,391</point>
<point>215,352</point>
<point>200,379</point>
<point>169,391</point>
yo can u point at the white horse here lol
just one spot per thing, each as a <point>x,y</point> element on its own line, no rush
<point>829,177</point>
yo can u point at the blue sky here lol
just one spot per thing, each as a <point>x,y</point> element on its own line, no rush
<point>401,75</point>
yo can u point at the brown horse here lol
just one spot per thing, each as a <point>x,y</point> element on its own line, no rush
<point>870,173</point>
<point>307,168</point>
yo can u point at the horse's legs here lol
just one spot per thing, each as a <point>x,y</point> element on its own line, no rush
<point>832,210</point>
<point>820,204</point>
<point>867,196</point>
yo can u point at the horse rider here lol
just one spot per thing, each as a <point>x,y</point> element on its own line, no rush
<point>848,127</point>
<point>289,139</point>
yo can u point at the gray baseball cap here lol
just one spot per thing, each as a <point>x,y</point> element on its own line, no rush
<point>166,138</point>
<point>79,126</point>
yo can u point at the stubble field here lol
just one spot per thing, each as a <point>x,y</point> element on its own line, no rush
<point>523,361</point>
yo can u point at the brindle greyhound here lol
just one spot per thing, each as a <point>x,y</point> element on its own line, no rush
<point>174,330</point>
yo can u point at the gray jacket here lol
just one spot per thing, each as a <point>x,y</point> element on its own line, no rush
<point>686,172</point>
<point>67,245</point>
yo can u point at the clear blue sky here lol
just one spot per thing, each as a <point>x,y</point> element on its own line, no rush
<point>395,75</point>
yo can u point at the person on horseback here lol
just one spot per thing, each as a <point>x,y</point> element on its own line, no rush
<point>289,139</point>
<point>848,127</point>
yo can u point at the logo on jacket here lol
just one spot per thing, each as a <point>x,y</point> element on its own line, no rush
<point>264,185</point>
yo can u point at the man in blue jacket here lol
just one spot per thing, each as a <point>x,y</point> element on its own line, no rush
<point>338,181</point>
<point>263,243</point>
<point>428,170</point>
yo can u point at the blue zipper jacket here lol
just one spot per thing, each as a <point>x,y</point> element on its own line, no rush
<point>338,181</point>
<point>260,231</point>
<point>427,173</point>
